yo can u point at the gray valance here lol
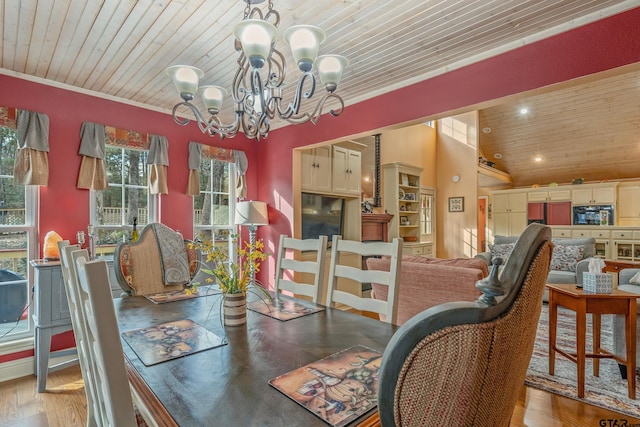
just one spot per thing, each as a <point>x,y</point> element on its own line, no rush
<point>32,162</point>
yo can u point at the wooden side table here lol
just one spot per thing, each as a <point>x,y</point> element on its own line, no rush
<point>574,298</point>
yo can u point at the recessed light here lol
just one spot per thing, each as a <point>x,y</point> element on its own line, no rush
<point>538,159</point>
<point>524,110</point>
<point>497,156</point>
<point>486,129</point>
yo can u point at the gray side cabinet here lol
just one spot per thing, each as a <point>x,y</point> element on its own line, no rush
<point>51,315</point>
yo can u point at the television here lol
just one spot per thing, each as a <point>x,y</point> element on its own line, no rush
<point>322,216</point>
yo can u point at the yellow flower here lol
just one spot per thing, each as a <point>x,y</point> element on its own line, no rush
<point>233,275</point>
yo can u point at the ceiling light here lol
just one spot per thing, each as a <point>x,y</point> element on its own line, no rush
<point>497,156</point>
<point>486,129</point>
<point>538,159</point>
<point>524,111</point>
<point>259,79</point>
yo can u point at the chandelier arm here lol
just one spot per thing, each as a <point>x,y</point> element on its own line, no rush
<point>294,107</point>
<point>314,117</point>
<point>277,61</point>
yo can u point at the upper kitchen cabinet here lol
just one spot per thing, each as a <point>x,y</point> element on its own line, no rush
<point>346,171</point>
<point>594,194</point>
<point>629,205</point>
<point>316,169</point>
<point>548,195</point>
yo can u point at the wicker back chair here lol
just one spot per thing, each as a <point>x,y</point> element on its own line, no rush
<point>463,363</point>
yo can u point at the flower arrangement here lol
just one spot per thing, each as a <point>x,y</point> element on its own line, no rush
<point>233,277</point>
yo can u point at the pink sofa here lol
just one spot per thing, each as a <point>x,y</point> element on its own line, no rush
<point>426,282</point>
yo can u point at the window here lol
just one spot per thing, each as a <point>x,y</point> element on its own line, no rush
<point>17,244</point>
<point>214,207</point>
<point>113,210</point>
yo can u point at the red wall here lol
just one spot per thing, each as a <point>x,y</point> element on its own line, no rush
<point>600,46</point>
<point>603,45</point>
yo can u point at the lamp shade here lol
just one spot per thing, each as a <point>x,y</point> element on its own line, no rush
<point>212,97</point>
<point>330,69</point>
<point>256,37</point>
<point>185,78</point>
<point>251,213</point>
<point>304,41</point>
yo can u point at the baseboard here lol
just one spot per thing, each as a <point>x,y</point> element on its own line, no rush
<point>26,366</point>
<point>17,368</point>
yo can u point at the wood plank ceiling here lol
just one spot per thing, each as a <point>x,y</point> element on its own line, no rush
<point>120,49</point>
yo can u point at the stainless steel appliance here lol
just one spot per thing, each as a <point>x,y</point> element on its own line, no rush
<point>593,215</point>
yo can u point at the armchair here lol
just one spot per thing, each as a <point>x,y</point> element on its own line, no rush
<point>464,363</point>
<point>159,261</point>
<point>570,257</point>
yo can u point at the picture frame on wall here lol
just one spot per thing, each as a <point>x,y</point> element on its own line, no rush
<point>456,204</point>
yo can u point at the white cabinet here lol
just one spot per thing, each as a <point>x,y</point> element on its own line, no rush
<point>316,169</point>
<point>628,205</point>
<point>594,195</point>
<point>346,171</point>
<point>509,213</point>
<point>401,198</point>
<point>549,196</point>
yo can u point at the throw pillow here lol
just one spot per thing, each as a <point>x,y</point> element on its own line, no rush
<point>501,251</point>
<point>566,257</point>
<point>635,279</point>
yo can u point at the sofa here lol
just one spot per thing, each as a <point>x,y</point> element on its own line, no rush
<point>629,283</point>
<point>569,261</point>
<point>427,282</point>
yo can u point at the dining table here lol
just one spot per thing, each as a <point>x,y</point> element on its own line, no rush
<point>229,385</point>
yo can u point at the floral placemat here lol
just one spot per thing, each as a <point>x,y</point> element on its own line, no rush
<point>170,296</point>
<point>338,388</point>
<point>171,340</point>
<point>284,308</point>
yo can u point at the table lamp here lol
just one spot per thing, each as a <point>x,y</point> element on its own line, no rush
<point>252,214</point>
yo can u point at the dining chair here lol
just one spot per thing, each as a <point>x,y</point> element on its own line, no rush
<point>465,362</point>
<point>78,323</point>
<point>345,269</point>
<point>289,271</point>
<point>109,400</point>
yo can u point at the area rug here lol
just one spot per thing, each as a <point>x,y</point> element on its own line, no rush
<point>608,390</point>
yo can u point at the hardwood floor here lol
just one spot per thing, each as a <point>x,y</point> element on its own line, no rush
<point>64,405</point>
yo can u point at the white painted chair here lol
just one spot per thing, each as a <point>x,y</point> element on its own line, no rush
<point>338,270</point>
<point>109,401</point>
<point>79,325</point>
<point>289,270</point>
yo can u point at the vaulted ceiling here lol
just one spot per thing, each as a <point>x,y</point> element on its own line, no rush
<point>120,48</point>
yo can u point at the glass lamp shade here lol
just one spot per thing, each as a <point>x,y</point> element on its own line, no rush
<point>256,37</point>
<point>330,69</point>
<point>185,78</point>
<point>304,41</point>
<point>251,213</point>
<point>212,97</point>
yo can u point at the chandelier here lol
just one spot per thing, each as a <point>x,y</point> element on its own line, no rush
<point>257,89</point>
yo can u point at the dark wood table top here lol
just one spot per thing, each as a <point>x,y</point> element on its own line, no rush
<point>228,385</point>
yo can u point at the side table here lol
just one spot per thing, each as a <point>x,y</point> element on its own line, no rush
<point>574,298</point>
<point>51,316</point>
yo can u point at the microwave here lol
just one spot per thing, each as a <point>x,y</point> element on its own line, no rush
<point>593,215</point>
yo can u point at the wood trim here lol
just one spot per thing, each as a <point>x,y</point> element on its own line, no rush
<point>152,405</point>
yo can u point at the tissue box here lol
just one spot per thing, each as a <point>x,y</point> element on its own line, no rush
<point>599,283</point>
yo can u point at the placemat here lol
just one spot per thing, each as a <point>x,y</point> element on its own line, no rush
<point>171,340</point>
<point>338,388</point>
<point>284,308</point>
